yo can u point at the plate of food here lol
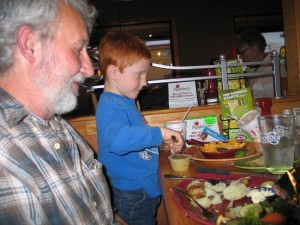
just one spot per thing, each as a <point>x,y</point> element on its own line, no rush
<point>255,163</point>
<point>222,152</point>
<point>233,200</point>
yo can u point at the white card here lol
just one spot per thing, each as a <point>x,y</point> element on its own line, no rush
<point>195,126</point>
<point>182,94</point>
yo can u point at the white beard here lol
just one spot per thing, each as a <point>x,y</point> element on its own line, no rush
<point>56,86</point>
<point>65,99</point>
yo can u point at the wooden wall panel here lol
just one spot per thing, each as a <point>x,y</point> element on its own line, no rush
<point>86,127</point>
<point>291,18</point>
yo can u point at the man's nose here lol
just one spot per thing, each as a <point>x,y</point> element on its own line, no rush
<point>87,66</point>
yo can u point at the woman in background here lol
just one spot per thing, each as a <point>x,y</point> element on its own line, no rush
<point>251,46</point>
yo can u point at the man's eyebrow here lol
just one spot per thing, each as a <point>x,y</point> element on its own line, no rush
<point>82,42</point>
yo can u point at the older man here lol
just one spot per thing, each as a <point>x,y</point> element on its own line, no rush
<point>48,174</point>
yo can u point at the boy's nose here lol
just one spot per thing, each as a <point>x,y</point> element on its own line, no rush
<point>143,81</point>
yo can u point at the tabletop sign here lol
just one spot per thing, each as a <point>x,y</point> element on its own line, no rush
<point>182,94</point>
<point>235,103</point>
<point>196,128</point>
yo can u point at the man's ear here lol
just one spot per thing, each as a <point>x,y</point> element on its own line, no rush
<point>26,41</point>
<point>112,72</point>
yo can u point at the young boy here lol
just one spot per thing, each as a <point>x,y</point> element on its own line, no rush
<point>128,147</point>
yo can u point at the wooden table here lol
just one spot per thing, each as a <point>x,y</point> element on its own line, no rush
<point>174,215</point>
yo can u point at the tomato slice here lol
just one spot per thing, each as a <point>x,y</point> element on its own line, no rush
<point>274,218</point>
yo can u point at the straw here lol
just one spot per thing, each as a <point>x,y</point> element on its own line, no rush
<point>232,117</point>
<point>187,112</point>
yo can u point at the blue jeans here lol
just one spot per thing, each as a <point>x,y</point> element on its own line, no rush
<point>136,207</point>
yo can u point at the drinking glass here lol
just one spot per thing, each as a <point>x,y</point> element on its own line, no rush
<point>296,113</point>
<point>277,133</point>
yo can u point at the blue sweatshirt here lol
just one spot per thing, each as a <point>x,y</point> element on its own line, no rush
<point>128,147</point>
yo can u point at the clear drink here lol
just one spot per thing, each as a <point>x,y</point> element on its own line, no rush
<point>277,134</point>
<point>296,113</point>
<point>297,151</point>
<point>278,158</point>
<point>297,134</point>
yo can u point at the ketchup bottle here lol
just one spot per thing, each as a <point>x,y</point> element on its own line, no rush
<point>211,83</point>
<point>264,106</point>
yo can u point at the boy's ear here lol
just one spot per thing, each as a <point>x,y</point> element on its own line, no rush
<point>112,72</point>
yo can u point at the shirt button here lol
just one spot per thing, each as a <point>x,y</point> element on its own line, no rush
<point>94,204</point>
<point>57,146</point>
<point>35,129</point>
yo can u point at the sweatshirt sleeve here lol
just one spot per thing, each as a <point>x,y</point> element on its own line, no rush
<point>121,128</point>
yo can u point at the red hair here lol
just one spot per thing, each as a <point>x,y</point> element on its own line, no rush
<point>121,49</point>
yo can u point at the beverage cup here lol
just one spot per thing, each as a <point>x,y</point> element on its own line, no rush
<point>287,111</point>
<point>177,125</point>
<point>296,113</point>
<point>277,133</point>
<point>249,124</point>
<point>180,162</point>
<point>180,127</point>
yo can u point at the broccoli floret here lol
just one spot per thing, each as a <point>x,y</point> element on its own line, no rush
<point>240,153</point>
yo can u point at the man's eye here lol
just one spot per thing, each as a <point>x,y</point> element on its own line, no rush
<point>81,50</point>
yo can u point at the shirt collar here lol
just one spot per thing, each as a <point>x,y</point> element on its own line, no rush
<point>12,111</point>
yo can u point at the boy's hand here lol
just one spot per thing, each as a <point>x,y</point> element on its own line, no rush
<point>173,139</point>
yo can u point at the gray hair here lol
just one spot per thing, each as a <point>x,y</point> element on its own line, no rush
<point>251,37</point>
<point>39,15</point>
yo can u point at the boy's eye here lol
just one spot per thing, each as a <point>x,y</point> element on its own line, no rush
<point>142,74</point>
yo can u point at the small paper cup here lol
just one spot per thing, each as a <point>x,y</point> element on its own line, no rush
<point>180,162</point>
<point>177,125</point>
<point>249,123</point>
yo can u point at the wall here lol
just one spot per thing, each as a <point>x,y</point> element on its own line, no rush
<point>291,12</point>
<point>204,28</point>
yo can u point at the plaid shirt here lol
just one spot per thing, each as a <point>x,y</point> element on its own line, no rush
<point>48,174</point>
